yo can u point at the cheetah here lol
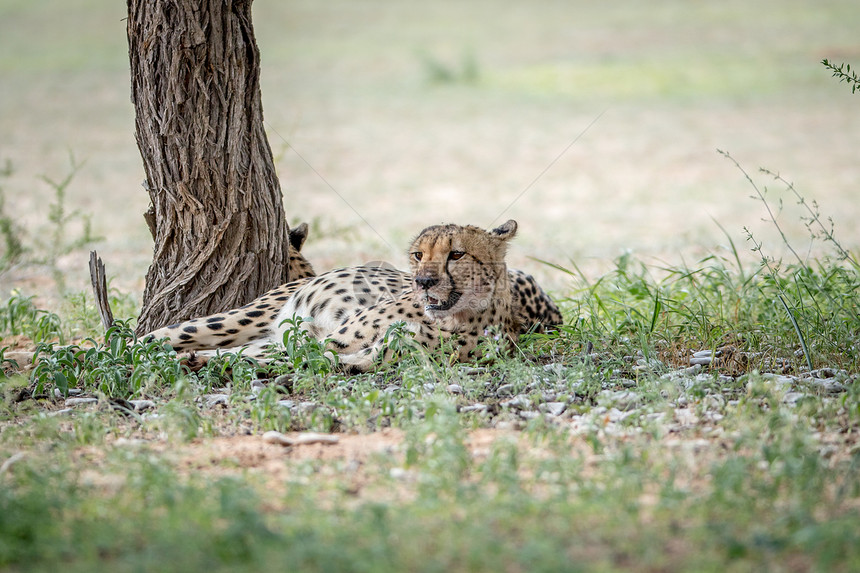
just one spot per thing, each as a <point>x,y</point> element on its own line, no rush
<point>535,310</point>
<point>299,266</point>
<point>458,285</point>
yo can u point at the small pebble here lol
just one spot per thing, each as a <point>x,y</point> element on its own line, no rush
<point>455,389</point>
<point>307,407</point>
<point>71,392</point>
<point>505,390</point>
<point>827,385</point>
<point>471,370</point>
<point>62,412</point>
<point>555,408</point>
<point>829,373</point>
<point>622,399</point>
<point>647,365</point>
<point>128,442</point>
<point>520,402</point>
<point>80,401</point>
<point>474,408</point>
<point>706,354</point>
<point>780,381</point>
<point>555,368</point>
<point>828,452</point>
<point>399,473</point>
<point>216,399</point>
<point>682,373</point>
<point>273,437</point>
<point>141,405</point>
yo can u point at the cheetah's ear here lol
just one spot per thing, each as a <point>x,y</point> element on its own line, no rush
<point>298,236</point>
<point>506,231</point>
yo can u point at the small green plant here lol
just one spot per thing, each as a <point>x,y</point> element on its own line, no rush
<point>436,448</point>
<point>60,240</point>
<point>82,318</point>
<point>267,414</point>
<point>228,368</point>
<point>46,247</point>
<point>844,73</point>
<point>493,346</point>
<point>81,314</point>
<point>19,316</point>
<point>818,230</point>
<point>399,344</point>
<point>467,71</point>
<point>806,295</point>
<point>121,367</point>
<point>6,362</point>
<point>772,270</point>
<point>303,351</point>
<point>183,421</point>
<point>9,231</point>
<point>321,228</point>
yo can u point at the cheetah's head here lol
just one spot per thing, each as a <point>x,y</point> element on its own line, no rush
<point>456,269</point>
<point>300,267</point>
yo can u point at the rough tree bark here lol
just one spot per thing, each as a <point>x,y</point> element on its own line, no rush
<point>217,215</point>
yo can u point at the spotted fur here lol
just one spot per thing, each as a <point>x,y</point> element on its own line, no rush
<point>299,266</point>
<point>458,285</point>
<point>534,310</point>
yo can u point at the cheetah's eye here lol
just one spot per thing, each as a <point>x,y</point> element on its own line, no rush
<point>418,255</point>
<point>456,255</point>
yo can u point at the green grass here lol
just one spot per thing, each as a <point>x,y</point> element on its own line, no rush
<point>652,467</point>
<point>746,464</point>
<point>763,498</point>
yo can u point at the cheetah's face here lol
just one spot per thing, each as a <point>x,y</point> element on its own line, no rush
<point>455,269</point>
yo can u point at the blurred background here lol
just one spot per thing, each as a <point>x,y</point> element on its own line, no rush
<point>594,125</point>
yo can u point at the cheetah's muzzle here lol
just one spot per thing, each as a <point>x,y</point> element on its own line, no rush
<point>431,303</point>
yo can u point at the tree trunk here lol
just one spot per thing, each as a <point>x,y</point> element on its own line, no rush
<point>217,215</point>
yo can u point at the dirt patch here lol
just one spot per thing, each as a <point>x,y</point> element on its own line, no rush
<point>353,463</point>
<point>253,451</point>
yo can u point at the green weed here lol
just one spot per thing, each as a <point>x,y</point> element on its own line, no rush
<point>19,316</point>
<point>120,367</point>
<point>844,73</point>
<point>10,232</point>
<point>64,232</point>
<point>436,71</point>
<point>60,240</point>
<point>302,351</point>
<point>81,318</point>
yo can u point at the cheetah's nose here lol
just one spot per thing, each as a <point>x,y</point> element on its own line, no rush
<point>426,282</point>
